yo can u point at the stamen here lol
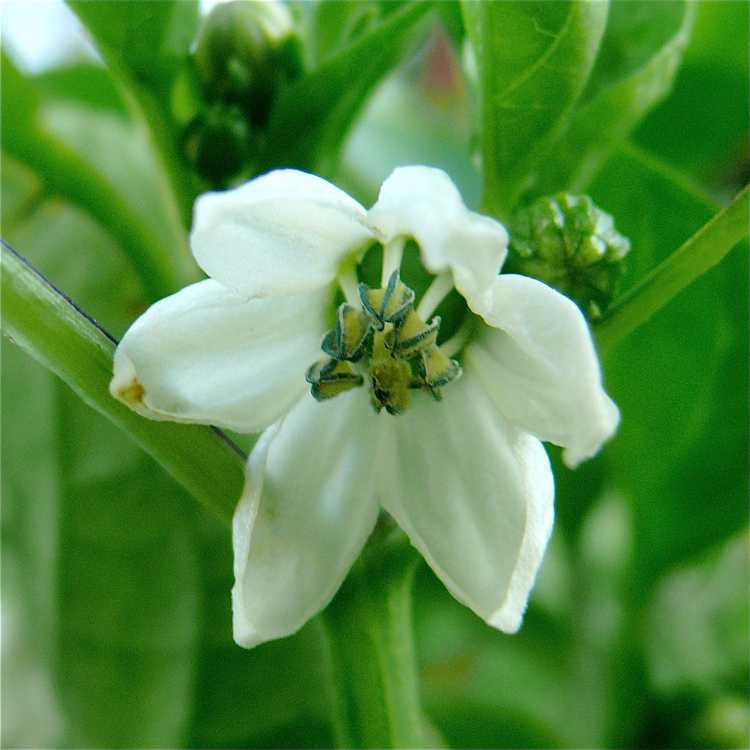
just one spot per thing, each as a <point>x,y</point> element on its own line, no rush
<point>396,350</point>
<point>393,252</point>
<point>331,378</point>
<point>349,284</point>
<point>435,294</point>
<point>455,343</point>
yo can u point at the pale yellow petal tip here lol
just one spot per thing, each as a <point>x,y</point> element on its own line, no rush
<point>130,393</point>
<point>125,385</point>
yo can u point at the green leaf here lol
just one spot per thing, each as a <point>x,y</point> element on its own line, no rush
<point>144,41</point>
<point>639,56</point>
<point>312,117</point>
<point>251,698</point>
<point>336,23</point>
<point>49,327</point>
<point>101,537</point>
<point>711,142</point>
<point>144,45</point>
<point>68,162</point>
<point>82,82</point>
<point>699,624</point>
<point>123,587</point>
<point>698,254</point>
<point>680,380</point>
<point>126,635</point>
<point>533,60</point>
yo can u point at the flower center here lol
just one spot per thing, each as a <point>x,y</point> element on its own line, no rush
<point>383,341</point>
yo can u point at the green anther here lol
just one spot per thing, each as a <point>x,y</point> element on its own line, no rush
<point>413,335</point>
<point>437,369</point>
<point>395,349</point>
<point>388,305</point>
<point>348,339</point>
<point>391,378</point>
<point>330,378</point>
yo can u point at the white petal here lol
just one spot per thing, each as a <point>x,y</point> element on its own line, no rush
<point>540,367</point>
<point>307,509</point>
<point>284,232</point>
<point>475,496</point>
<point>207,355</point>
<point>423,203</point>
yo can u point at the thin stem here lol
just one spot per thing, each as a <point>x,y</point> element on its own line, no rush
<point>64,172</point>
<point>441,285</point>
<point>393,252</point>
<point>369,644</point>
<point>349,284</point>
<point>460,338</point>
<point>48,326</point>
<point>696,256</point>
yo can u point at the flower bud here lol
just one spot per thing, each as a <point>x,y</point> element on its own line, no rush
<point>245,51</point>
<point>569,243</point>
<point>220,143</point>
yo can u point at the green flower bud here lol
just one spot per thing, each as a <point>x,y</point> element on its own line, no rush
<point>245,51</point>
<point>220,143</point>
<point>570,244</point>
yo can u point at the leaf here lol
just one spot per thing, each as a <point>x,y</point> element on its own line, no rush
<point>714,72</point>
<point>336,23</point>
<point>101,537</point>
<point>251,698</point>
<point>697,255</point>
<point>82,82</point>
<point>533,60</point>
<point>124,586</point>
<point>69,162</point>
<point>143,41</point>
<point>639,56</point>
<point>145,45</point>
<point>699,623</point>
<point>680,380</point>
<point>128,587</point>
<point>312,117</point>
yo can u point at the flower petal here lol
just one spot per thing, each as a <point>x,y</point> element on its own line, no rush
<point>423,203</point>
<point>307,509</point>
<point>281,233</point>
<point>475,495</point>
<point>539,365</point>
<point>210,356</point>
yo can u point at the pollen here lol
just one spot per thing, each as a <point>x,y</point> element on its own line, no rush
<point>385,344</point>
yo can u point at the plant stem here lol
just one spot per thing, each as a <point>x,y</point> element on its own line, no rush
<point>47,325</point>
<point>64,172</point>
<point>367,630</point>
<point>696,256</point>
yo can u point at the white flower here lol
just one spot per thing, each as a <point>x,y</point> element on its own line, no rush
<point>466,476</point>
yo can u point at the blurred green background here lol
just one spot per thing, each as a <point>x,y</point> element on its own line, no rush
<point>115,585</point>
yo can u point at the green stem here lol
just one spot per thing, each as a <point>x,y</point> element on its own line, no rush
<point>47,325</point>
<point>368,633</point>
<point>176,172</point>
<point>64,172</point>
<point>696,256</point>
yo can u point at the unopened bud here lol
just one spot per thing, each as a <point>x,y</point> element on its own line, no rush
<point>245,51</point>
<point>220,143</point>
<point>569,243</point>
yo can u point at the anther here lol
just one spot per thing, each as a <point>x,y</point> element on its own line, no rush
<point>388,305</point>
<point>347,340</point>
<point>330,378</point>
